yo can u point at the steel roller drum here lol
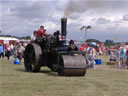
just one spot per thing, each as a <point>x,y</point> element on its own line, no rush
<point>32,57</point>
<point>72,66</point>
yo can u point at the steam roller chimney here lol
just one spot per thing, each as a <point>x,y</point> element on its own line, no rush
<point>64,27</point>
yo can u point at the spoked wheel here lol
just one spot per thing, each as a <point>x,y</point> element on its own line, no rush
<point>32,56</point>
<point>72,66</point>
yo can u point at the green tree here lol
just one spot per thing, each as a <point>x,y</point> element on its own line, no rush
<point>26,37</point>
<point>109,42</point>
<point>126,43</point>
<point>93,40</point>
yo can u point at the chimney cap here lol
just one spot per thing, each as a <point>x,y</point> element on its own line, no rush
<point>64,19</point>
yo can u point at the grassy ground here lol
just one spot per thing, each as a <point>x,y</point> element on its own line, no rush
<point>103,81</point>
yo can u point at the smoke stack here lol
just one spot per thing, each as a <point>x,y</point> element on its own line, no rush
<point>64,27</point>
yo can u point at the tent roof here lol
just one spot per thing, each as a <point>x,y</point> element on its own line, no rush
<point>8,38</point>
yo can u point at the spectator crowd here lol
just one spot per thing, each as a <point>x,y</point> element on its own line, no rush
<point>117,53</point>
<point>17,51</point>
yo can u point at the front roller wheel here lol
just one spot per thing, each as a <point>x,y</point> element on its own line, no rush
<point>32,57</point>
<point>72,66</point>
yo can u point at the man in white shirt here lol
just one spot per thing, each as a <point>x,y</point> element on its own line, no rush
<point>33,36</point>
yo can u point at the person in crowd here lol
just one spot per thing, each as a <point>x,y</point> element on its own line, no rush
<point>100,51</point>
<point>122,56</point>
<point>1,51</point>
<point>127,58</point>
<point>41,32</point>
<point>15,50</point>
<point>20,52</point>
<point>7,51</point>
<point>25,44</point>
<point>85,49</point>
<point>117,55</point>
<point>33,36</point>
<point>81,48</point>
<point>106,51</point>
<point>88,49</point>
<point>11,49</point>
<point>112,56</point>
<point>103,50</point>
<point>91,55</point>
<point>109,51</point>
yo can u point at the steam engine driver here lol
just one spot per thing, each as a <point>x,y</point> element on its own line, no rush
<point>41,32</point>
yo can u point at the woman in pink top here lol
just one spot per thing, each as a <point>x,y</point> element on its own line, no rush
<point>20,52</point>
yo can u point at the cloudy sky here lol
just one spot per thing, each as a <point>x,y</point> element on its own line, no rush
<point>108,18</point>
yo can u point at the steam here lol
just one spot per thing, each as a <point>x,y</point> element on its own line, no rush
<point>78,6</point>
<point>74,6</point>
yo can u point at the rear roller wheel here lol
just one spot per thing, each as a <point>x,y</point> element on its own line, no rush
<point>72,66</point>
<point>32,57</point>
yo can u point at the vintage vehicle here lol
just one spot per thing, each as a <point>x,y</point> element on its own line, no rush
<point>55,53</point>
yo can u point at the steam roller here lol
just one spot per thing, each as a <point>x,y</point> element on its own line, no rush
<point>56,53</point>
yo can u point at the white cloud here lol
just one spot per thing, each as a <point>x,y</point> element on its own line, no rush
<point>108,18</point>
<point>125,17</point>
<point>102,20</point>
<point>50,26</point>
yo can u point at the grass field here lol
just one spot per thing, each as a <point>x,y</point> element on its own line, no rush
<point>103,81</point>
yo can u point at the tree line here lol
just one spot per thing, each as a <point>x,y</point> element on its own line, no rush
<point>107,42</point>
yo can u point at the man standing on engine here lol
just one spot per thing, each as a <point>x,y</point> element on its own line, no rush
<point>41,32</point>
